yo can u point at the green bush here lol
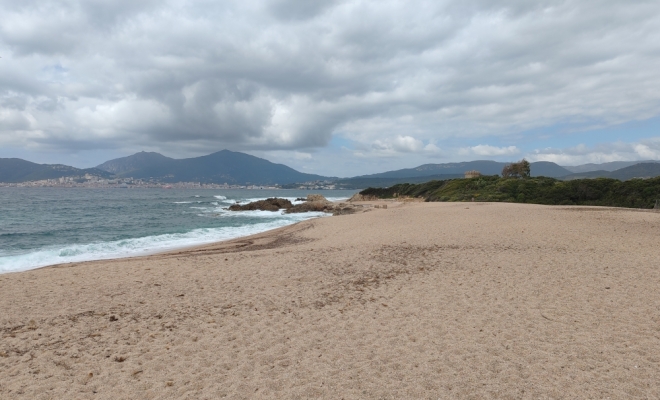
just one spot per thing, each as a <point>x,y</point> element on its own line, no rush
<point>634,193</point>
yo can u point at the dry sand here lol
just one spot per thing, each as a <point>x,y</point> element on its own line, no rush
<point>432,300</point>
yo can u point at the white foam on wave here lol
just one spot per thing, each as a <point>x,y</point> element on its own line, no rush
<point>146,245</point>
<point>220,197</point>
<point>182,202</point>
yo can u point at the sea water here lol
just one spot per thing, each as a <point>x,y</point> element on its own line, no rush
<point>46,226</point>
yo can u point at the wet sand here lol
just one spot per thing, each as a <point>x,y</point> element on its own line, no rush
<point>419,300</point>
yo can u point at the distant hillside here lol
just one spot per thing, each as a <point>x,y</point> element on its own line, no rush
<point>608,166</point>
<point>636,193</point>
<point>486,167</point>
<point>640,170</point>
<point>224,166</point>
<point>549,169</point>
<point>126,165</point>
<point>586,175</point>
<point>643,170</point>
<point>16,170</point>
<point>361,183</point>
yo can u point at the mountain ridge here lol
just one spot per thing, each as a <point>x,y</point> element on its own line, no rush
<point>639,170</point>
<point>16,170</point>
<point>231,167</point>
<point>486,167</point>
<point>223,166</point>
<point>607,166</point>
<point>125,165</point>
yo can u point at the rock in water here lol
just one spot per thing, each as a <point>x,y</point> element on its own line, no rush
<point>271,204</point>
<point>313,203</point>
<point>316,197</point>
<point>308,206</point>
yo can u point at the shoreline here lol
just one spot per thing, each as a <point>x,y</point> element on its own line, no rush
<point>141,246</point>
<point>185,250</point>
<point>419,300</point>
<point>148,253</point>
<point>390,202</point>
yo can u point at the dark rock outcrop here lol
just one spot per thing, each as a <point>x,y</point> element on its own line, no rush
<point>311,206</point>
<point>316,197</point>
<point>271,204</point>
<point>313,203</point>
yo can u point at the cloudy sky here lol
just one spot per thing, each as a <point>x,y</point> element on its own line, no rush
<point>332,87</point>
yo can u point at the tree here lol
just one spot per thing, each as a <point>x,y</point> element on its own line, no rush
<point>520,169</point>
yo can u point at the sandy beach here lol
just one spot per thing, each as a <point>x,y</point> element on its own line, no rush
<point>419,300</point>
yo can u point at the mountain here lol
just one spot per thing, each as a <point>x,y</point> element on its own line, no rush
<point>586,175</point>
<point>483,166</point>
<point>486,167</point>
<point>608,166</point>
<point>361,183</point>
<point>642,170</point>
<point>639,170</point>
<point>222,167</point>
<point>126,165</point>
<point>549,169</point>
<point>14,170</point>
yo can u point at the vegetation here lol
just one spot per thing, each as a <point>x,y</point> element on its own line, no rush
<point>634,193</point>
<point>521,169</point>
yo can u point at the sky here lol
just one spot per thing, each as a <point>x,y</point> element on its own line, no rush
<point>338,88</point>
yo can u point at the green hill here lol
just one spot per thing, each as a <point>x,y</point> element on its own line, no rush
<point>126,165</point>
<point>221,167</point>
<point>16,170</point>
<point>608,166</point>
<point>639,170</point>
<point>486,167</point>
<point>634,193</point>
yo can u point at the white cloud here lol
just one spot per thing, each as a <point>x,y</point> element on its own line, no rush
<point>432,149</point>
<point>302,156</point>
<point>407,144</point>
<point>490,151</point>
<point>648,149</point>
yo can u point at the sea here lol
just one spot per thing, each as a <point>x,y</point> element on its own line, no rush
<point>47,226</point>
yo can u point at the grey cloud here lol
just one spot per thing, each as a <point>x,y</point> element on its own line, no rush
<point>14,102</point>
<point>289,75</point>
<point>299,9</point>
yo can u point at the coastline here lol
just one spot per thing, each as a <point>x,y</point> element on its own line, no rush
<point>419,300</point>
<point>163,251</point>
<point>179,222</point>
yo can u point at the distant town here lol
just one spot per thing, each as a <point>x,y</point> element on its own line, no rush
<point>91,181</point>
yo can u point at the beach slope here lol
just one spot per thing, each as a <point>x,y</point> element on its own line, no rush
<point>419,300</point>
